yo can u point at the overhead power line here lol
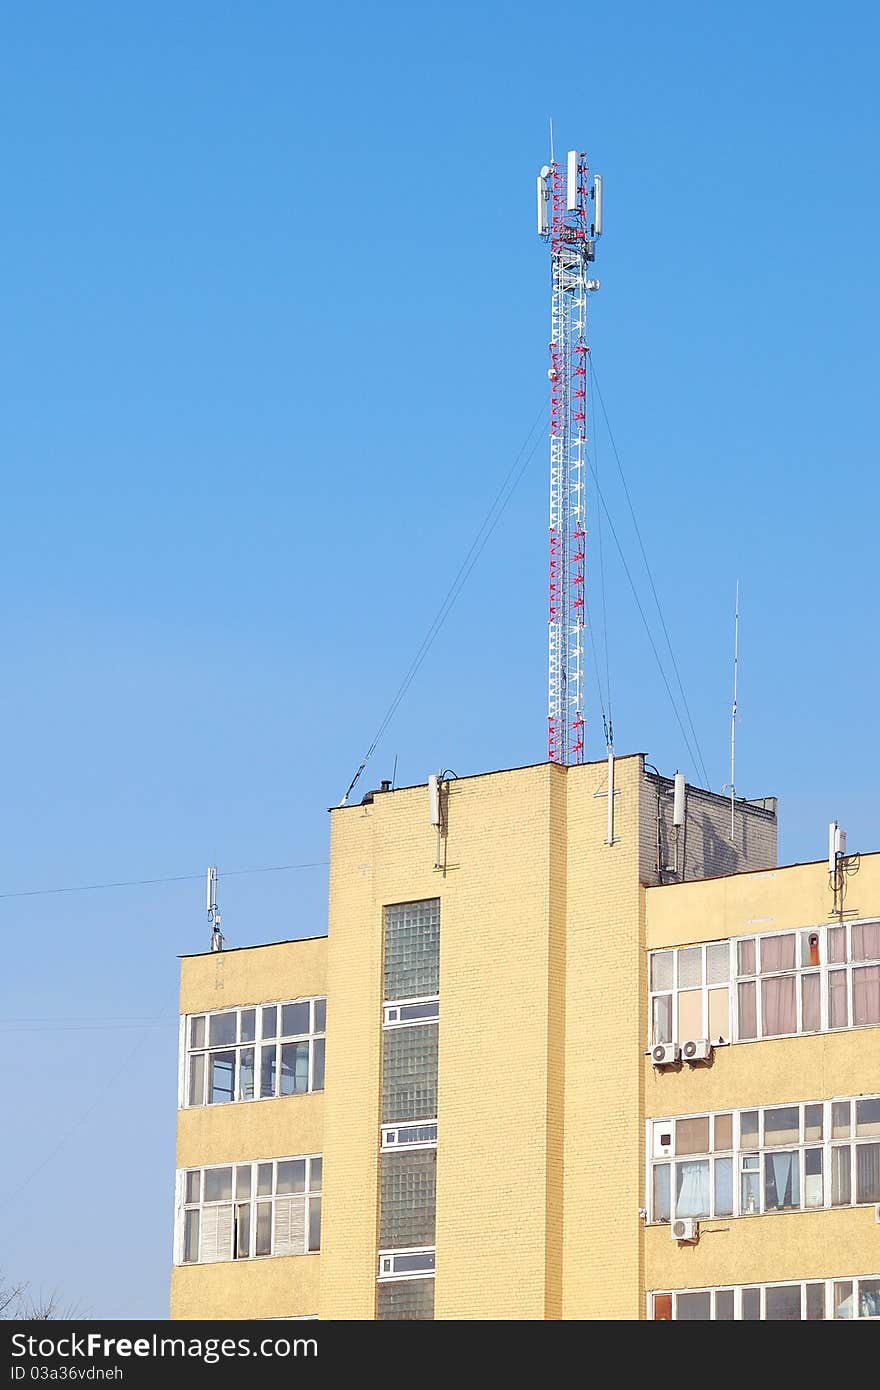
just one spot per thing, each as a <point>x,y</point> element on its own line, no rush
<point>699,755</point>
<point>97,1026</point>
<point>478,544</point>
<point>175,878</point>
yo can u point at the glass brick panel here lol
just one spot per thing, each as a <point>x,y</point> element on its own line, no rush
<point>407,1185</point>
<point>412,949</point>
<point>410,1299</point>
<point>409,1073</point>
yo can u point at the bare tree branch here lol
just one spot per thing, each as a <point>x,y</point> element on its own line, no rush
<point>17,1306</point>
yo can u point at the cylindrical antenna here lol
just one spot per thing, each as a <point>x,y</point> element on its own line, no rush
<point>543,201</point>
<point>211,889</point>
<point>678,786</point>
<point>597,201</point>
<point>572,191</point>
<point>212,909</point>
<point>434,798</point>
<point>733,711</point>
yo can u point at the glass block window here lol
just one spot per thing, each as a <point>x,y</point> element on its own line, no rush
<point>410,1299</point>
<point>408,1183</point>
<point>409,1074</point>
<point>412,949</point>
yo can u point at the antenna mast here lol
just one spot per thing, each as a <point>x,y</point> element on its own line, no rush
<point>733,709</point>
<point>217,937</point>
<point>571,228</point>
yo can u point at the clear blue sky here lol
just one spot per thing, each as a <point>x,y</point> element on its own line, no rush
<point>275,324</point>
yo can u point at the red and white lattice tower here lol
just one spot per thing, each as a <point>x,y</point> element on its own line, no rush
<point>570,220</point>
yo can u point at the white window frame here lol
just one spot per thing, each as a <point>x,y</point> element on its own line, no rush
<point>826,1144</point>
<point>311,1195</point>
<point>388,1263</point>
<point>395,1137</point>
<point>705,988</point>
<point>823,970</point>
<point>394,1008</point>
<point>187,1052</point>
<point>739,1289</point>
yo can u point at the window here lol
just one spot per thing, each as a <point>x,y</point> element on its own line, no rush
<point>414,1136</point>
<point>412,950</point>
<point>781,1158</point>
<point>407,1300</point>
<point>414,1264</point>
<point>408,1136</point>
<point>255,1053</point>
<point>810,980</point>
<point>409,1074</point>
<point>690,993</point>
<point>407,1188</point>
<point>799,1302</point>
<point>805,981</point>
<point>403,1014</point>
<point>239,1211</point>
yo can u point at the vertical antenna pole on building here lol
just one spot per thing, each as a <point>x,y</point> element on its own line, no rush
<point>564,221</point>
<point>213,909</point>
<point>733,711</point>
<point>609,838</point>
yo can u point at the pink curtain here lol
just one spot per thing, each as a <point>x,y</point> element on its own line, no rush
<point>810,1018</point>
<point>866,994</point>
<point>748,1011</point>
<point>777,953</point>
<point>866,941</point>
<point>837,1017</point>
<point>779,1006</point>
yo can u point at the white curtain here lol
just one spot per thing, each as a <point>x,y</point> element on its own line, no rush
<point>781,1180</point>
<point>869,1298</point>
<point>692,1188</point>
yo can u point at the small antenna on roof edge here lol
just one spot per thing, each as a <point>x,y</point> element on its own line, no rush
<point>551,139</point>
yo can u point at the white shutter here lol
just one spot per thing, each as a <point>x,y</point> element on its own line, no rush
<point>216,1234</point>
<point>289,1234</point>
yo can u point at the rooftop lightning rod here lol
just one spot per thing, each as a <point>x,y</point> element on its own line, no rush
<point>733,710</point>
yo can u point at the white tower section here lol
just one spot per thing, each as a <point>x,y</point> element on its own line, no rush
<point>571,226</point>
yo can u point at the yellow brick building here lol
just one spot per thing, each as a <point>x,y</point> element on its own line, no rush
<point>582,1061</point>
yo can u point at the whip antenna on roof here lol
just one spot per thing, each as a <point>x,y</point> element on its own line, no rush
<point>733,711</point>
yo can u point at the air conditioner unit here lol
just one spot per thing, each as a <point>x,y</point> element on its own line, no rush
<point>696,1050</point>
<point>685,1228</point>
<point>665,1054</point>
